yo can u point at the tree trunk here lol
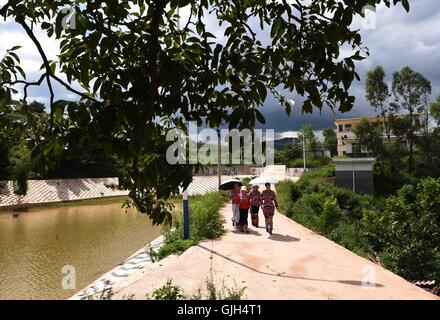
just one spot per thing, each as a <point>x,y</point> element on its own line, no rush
<point>411,142</point>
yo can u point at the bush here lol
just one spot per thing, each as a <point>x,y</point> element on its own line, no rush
<point>315,201</point>
<point>330,215</point>
<point>349,236</point>
<point>287,191</point>
<point>21,164</point>
<point>310,162</point>
<point>168,292</point>
<point>403,230</point>
<point>320,206</point>
<point>175,247</point>
<point>206,222</point>
<point>352,203</point>
<point>409,231</point>
<point>224,293</point>
<point>173,292</point>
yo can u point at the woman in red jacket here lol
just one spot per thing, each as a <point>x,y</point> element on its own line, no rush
<point>245,203</point>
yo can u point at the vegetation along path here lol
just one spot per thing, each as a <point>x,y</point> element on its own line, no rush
<point>293,263</point>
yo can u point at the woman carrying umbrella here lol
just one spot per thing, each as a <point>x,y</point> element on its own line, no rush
<point>235,197</point>
<point>234,186</point>
<point>269,203</point>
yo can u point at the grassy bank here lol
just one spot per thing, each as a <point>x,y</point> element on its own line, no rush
<point>401,232</point>
<point>320,206</point>
<point>206,222</point>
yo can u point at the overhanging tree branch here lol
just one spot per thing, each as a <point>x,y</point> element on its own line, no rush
<point>153,69</point>
<point>4,9</point>
<point>49,74</point>
<point>43,56</point>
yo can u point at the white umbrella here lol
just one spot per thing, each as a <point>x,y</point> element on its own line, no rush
<point>263,180</point>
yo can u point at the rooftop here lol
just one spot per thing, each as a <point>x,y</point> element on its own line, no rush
<point>375,117</point>
<point>354,159</point>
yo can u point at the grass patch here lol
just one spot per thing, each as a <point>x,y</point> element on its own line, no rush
<point>173,292</point>
<point>333,212</point>
<point>206,222</point>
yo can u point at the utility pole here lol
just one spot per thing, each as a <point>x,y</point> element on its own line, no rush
<point>219,158</point>
<point>185,193</point>
<point>185,215</point>
<point>304,151</point>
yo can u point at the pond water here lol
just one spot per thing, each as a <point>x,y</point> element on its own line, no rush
<point>38,244</point>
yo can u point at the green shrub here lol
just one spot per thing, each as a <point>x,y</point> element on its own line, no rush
<point>315,201</point>
<point>349,236</point>
<point>330,216</point>
<point>175,247</point>
<point>287,191</point>
<point>168,292</point>
<point>173,292</point>
<point>224,293</point>
<point>21,164</point>
<point>206,222</point>
<point>352,203</point>
<point>410,227</point>
<point>310,162</point>
<point>320,206</point>
<point>403,229</point>
<point>246,181</point>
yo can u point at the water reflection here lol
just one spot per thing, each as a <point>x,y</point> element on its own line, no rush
<point>35,246</point>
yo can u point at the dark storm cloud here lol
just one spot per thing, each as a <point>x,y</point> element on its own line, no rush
<point>400,39</point>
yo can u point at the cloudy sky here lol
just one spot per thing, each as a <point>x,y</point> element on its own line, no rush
<point>398,39</point>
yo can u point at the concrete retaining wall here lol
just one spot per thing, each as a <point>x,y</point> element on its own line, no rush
<point>51,191</point>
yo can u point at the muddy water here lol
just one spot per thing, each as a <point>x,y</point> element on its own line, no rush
<point>37,245</point>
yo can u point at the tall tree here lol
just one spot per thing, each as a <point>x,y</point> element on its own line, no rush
<point>377,94</point>
<point>369,137</point>
<point>138,61</point>
<point>409,90</point>
<point>311,142</point>
<point>434,110</point>
<point>330,141</point>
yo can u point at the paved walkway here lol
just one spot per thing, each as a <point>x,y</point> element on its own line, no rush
<point>293,263</point>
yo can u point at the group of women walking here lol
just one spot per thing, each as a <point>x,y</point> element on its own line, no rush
<point>244,200</point>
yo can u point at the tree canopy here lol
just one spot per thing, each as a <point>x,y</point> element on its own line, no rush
<point>144,69</point>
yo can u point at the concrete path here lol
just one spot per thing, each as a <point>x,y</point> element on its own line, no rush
<point>293,263</point>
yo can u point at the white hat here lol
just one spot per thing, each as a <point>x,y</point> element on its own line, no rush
<point>243,188</point>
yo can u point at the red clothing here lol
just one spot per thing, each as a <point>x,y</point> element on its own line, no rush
<point>235,196</point>
<point>256,198</point>
<point>245,200</point>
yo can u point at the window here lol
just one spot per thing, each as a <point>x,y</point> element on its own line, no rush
<point>341,128</point>
<point>348,127</point>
